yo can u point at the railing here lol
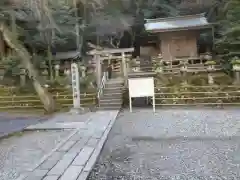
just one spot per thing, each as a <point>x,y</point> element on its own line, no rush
<point>102,85</point>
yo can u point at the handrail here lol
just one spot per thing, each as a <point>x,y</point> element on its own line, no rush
<point>102,85</point>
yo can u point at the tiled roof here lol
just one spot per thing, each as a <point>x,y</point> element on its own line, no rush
<point>174,23</point>
<point>67,55</point>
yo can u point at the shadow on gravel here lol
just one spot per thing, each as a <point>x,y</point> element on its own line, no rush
<point>15,123</point>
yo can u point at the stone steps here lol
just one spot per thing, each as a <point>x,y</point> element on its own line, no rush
<point>112,95</point>
<point>108,96</point>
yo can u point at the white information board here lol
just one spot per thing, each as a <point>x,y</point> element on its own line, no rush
<point>141,87</point>
<point>75,85</point>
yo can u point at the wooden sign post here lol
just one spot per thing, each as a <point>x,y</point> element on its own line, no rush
<point>75,86</point>
<point>141,87</point>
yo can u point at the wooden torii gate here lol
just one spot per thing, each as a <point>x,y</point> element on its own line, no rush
<point>104,54</point>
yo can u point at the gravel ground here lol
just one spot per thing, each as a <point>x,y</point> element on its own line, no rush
<point>173,144</point>
<point>20,152</point>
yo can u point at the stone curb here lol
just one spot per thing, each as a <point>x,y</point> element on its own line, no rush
<point>93,157</point>
<point>96,153</point>
<point>24,175</point>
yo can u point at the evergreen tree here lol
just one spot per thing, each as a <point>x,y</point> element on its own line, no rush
<point>228,44</point>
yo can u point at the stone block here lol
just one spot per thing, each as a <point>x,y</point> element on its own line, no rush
<point>97,134</point>
<point>65,147</point>
<point>51,161</point>
<point>63,164</point>
<point>77,147</point>
<point>92,142</point>
<point>51,178</point>
<point>83,156</point>
<point>83,176</point>
<point>71,173</point>
<point>36,175</point>
<point>91,162</point>
<point>76,137</point>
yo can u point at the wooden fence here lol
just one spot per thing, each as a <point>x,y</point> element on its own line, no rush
<point>63,99</point>
<point>197,95</point>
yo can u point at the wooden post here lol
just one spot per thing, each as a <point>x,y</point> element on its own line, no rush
<point>109,59</point>
<point>98,70</point>
<point>2,46</point>
<point>23,77</point>
<point>213,37</point>
<point>125,75</point>
<point>75,85</point>
<point>124,65</point>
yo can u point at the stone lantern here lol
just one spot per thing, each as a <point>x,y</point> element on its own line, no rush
<point>57,68</point>
<point>183,69</point>
<point>83,71</point>
<point>208,56</point>
<point>236,69</point>
<point>22,76</point>
<point>2,72</point>
<point>210,68</point>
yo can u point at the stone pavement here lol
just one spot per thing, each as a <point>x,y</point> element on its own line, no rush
<point>11,123</point>
<point>75,156</point>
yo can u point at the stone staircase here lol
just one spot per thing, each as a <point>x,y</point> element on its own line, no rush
<point>112,95</point>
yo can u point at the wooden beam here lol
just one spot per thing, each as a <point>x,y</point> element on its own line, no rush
<point>209,26</point>
<point>112,51</point>
<point>115,57</point>
<point>98,70</point>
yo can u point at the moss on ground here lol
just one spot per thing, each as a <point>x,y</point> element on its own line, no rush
<point>197,90</point>
<point>21,99</point>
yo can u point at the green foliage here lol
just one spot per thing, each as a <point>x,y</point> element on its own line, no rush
<point>11,64</point>
<point>210,62</point>
<point>228,44</point>
<point>235,60</point>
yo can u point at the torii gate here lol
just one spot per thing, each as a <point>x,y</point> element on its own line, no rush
<point>108,53</point>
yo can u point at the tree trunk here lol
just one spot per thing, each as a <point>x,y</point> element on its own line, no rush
<point>50,60</point>
<point>12,41</point>
<point>2,46</point>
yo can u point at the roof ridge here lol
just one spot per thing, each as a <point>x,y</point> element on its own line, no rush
<point>175,17</point>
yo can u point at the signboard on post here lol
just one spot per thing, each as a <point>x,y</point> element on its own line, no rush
<point>141,87</point>
<point>75,85</point>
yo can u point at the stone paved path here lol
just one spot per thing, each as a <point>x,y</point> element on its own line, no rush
<point>176,144</point>
<point>21,152</point>
<point>75,156</point>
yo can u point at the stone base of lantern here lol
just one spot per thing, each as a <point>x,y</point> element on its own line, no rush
<point>236,82</point>
<point>237,77</point>
<point>210,79</point>
<point>184,83</point>
<point>80,110</point>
